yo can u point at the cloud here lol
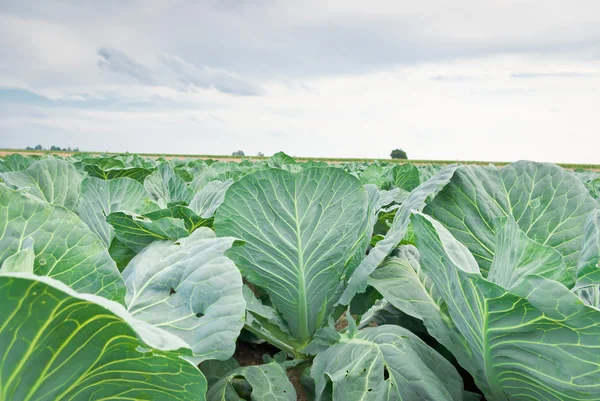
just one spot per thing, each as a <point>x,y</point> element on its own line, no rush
<point>206,77</point>
<point>178,74</point>
<point>118,62</point>
<point>264,38</point>
<point>450,78</point>
<point>440,79</point>
<point>565,74</point>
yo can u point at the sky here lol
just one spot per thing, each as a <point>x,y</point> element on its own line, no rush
<point>442,79</point>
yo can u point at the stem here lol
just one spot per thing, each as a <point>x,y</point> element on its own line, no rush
<point>282,345</point>
<point>272,334</point>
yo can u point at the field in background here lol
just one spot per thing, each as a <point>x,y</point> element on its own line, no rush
<point>5,152</point>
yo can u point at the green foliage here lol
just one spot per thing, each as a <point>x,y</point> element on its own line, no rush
<point>54,181</point>
<point>398,154</point>
<point>376,280</point>
<point>61,345</point>
<point>296,207</point>
<point>267,381</point>
<point>190,289</point>
<point>64,247</point>
<point>355,368</point>
<point>547,202</point>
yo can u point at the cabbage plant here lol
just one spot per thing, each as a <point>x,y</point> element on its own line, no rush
<point>305,234</point>
<point>128,277</point>
<point>75,328</point>
<point>506,279</point>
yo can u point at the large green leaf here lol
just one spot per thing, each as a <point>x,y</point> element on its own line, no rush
<point>51,180</point>
<point>404,285</point>
<point>518,257</point>
<point>190,289</point>
<point>103,162</point>
<point>588,269</point>
<point>375,174</point>
<point>220,172</point>
<point>383,312</point>
<point>548,203</point>
<point>266,383</point>
<point>406,176</point>
<point>209,198</point>
<point>401,282</point>
<point>594,188</point>
<point>165,186</point>
<point>64,246</point>
<point>109,168</point>
<point>377,200</point>
<point>356,369</point>
<point>131,160</point>
<point>184,173</point>
<point>536,341</point>
<point>99,198</point>
<point>427,171</point>
<point>56,345</point>
<point>22,261</point>
<point>266,323</point>
<point>16,162</point>
<point>121,253</point>
<point>137,232</point>
<point>191,220</point>
<point>591,180</point>
<point>280,160</point>
<point>416,201</point>
<point>135,173</point>
<point>215,370</point>
<point>303,232</point>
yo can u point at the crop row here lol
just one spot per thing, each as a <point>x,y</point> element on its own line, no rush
<point>126,277</point>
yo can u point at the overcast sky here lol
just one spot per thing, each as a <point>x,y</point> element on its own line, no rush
<point>442,79</point>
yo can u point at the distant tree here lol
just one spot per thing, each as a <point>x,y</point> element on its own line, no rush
<point>75,149</point>
<point>260,154</point>
<point>54,147</point>
<point>69,149</point>
<point>28,148</point>
<point>38,147</point>
<point>238,153</point>
<point>398,154</point>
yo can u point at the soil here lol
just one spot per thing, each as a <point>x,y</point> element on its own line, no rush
<point>294,376</point>
<point>252,354</point>
<point>341,323</point>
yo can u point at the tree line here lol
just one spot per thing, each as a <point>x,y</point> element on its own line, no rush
<point>40,147</point>
<point>396,154</point>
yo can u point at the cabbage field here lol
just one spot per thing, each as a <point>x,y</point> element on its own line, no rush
<point>136,278</point>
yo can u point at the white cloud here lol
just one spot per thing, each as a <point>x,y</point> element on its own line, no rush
<point>466,79</point>
<point>116,61</point>
<point>25,41</point>
<point>206,77</point>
